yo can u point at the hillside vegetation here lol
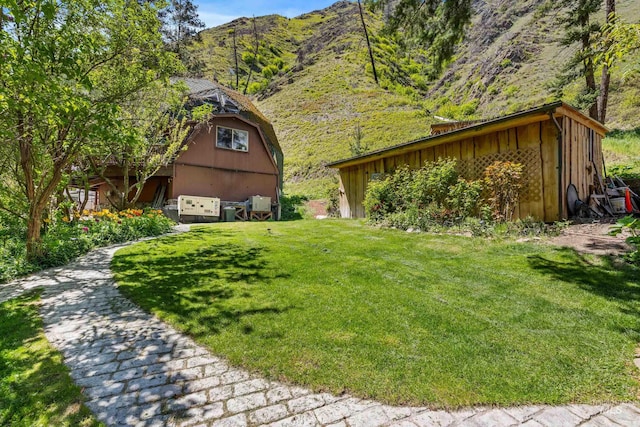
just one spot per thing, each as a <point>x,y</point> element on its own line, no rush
<point>311,75</point>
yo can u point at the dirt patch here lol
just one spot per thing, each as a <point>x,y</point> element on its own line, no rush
<point>592,239</point>
<point>317,208</point>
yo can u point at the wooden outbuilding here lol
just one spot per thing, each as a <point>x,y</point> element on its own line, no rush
<point>235,156</point>
<point>556,144</point>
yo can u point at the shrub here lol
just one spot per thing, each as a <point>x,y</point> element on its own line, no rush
<point>249,58</point>
<point>632,226</point>
<point>256,87</point>
<point>430,184</point>
<point>503,181</point>
<point>511,90</point>
<point>332,194</point>
<point>290,207</point>
<point>269,71</point>
<point>423,198</point>
<point>380,199</point>
<point>64,238</point>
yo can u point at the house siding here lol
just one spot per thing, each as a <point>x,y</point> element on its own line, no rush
<point>209,171</point>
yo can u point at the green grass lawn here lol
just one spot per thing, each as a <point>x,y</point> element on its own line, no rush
<point>35,387</point>
<point>444,321</point>
<point>622,152</point>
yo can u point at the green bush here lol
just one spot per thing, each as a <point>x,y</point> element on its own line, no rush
<point>291,207</point>
<point>632,226</point>
<point>65,239</point>
<point>269,71</point>
<point>380,200</point>
<point>423,198</point>
<point>249,58</point>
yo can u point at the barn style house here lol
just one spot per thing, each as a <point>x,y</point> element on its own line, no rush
<point>557,145</point>
<point>233,157</point>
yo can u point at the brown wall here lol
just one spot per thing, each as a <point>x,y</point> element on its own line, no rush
<point>581,151</point>
<point>206,170</point>
<point>148,191</point>
<point>534,145</point>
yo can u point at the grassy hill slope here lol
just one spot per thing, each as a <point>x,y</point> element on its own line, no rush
<point>312,77</point>
<point>512,54</point>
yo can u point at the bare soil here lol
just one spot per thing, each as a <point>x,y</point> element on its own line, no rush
<point>317,208</point>
<point>592,238</point>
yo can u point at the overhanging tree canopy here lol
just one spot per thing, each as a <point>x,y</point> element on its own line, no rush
<point>67,66</point>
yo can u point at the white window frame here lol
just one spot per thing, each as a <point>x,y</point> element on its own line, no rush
<point>236,135</point>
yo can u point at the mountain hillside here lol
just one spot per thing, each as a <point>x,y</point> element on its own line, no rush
<point>312,76</point>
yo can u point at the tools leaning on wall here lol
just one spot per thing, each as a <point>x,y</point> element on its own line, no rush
<point>611,197</point>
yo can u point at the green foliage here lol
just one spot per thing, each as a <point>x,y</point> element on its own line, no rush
<point>256,87</point>
<point>270,71</point>
<point>425,197</point>
<point>438,25</point>
<point>291,207</point>
<point>503,181</point>
<point>332,195</point>
<point>400,65</point>
<point>457,111</point>
<point>380,199</point>
<point>357,146</point>
<point>511,90</point>
<point>249,58</point>
<point>619,41</point>
<point>154,138</point>
<point>65,239</point>
<point>506,62</point>
<point>35,386</point>
<point>632,226</point>
<point>68,70</point>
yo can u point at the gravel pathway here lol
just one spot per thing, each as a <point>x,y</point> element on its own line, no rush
<point>137,371</point>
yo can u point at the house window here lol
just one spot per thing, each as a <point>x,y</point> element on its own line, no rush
<point>232,139</point>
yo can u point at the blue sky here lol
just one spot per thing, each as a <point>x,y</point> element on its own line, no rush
<point>217,12</point>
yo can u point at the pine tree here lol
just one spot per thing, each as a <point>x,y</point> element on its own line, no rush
<point>181,24</point>
<point>438,25</point>
<point>581,28</point>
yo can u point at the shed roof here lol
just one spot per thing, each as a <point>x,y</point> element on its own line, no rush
<point>477,129</point>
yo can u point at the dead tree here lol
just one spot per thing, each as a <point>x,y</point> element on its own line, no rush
<point>366,35</point>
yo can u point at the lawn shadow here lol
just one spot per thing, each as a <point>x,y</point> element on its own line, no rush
<point>208,286</point>
<point>35,383</point>
<point>610,278</point>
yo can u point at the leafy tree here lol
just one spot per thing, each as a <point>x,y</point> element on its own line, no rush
<point>620,40</point>
<point>181,24</point>
<point>152,140</point>
<point>67,68</point>
<point>439,25</point>
<point>581,28</point>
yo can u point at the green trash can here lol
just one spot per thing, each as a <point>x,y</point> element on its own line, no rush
<point>229,214</point>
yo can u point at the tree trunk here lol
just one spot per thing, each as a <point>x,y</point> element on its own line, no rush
<point>603,96</point>
<point>366,34</point>
<point>235,57</point>
<point>255,33</point>
<point>587,62</point>
<point>34,225</point>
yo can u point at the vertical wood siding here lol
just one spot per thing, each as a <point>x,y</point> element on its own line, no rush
<point>536,142</point>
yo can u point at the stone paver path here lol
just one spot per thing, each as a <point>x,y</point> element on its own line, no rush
<point>137,371</point>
